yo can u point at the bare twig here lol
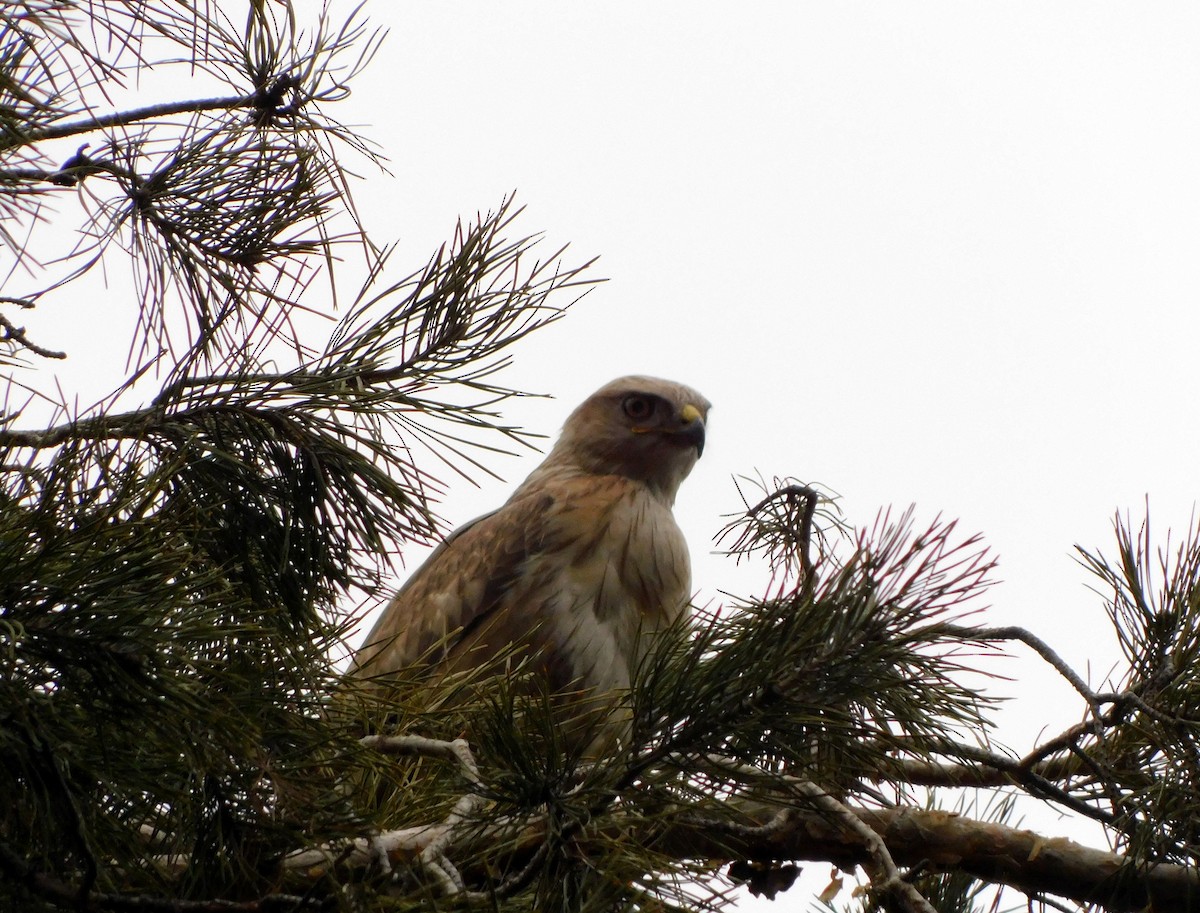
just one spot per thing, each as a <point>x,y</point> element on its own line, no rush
<point>1028,777</point>
<point>1039,646</point>
<point>880,867</point>
<point>15,334</point>
<point>126,118</point>
<point>766,515</point>
<point>456,750</point>
<point>430,843</point>
<point>364,851</point>
<point>949,775</point>
<point>790,494</point>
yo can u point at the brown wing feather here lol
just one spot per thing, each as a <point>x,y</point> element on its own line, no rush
<point>459,588</point>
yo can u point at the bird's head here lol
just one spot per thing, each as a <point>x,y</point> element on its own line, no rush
<point>639,427</point>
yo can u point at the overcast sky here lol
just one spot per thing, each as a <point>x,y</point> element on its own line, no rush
<point>941,253</point>
<point>930,253</point>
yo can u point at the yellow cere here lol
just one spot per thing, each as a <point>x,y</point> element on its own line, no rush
<point>689,413</point>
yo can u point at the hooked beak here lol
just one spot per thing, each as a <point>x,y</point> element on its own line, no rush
<point>692,430</point>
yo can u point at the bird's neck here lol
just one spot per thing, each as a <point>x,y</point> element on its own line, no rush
<point>564,468</point>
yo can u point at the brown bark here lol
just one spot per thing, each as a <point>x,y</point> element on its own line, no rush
<point>995,853</point>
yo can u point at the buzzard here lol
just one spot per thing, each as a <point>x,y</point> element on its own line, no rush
<point>576,571</point>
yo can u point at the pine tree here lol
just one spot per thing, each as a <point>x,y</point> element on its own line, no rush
<point>180,563</point>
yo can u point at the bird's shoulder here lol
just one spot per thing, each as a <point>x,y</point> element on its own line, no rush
<point>477,566</point>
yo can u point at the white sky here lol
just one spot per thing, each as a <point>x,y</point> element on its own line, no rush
<point>937,252</point>
<point>942,253</point>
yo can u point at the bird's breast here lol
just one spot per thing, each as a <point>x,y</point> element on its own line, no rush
<point>627,576</point>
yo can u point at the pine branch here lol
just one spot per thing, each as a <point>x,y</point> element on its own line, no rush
<point>68,897</point>
<point>16,335</point>
<point>995,853</point>
<point>126,118</point>
<point>949,775</point>
<point>232,213</point>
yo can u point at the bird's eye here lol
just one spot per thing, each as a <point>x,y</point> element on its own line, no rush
<point>638,408</point>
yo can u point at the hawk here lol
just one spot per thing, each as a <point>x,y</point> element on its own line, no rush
<point>573,572</point>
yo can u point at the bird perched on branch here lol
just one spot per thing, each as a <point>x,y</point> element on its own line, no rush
<point>575,570</point>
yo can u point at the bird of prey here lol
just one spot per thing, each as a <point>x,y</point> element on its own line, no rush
<point>573,572</point>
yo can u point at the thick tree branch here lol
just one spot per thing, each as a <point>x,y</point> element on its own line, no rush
<point>994,853</point>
